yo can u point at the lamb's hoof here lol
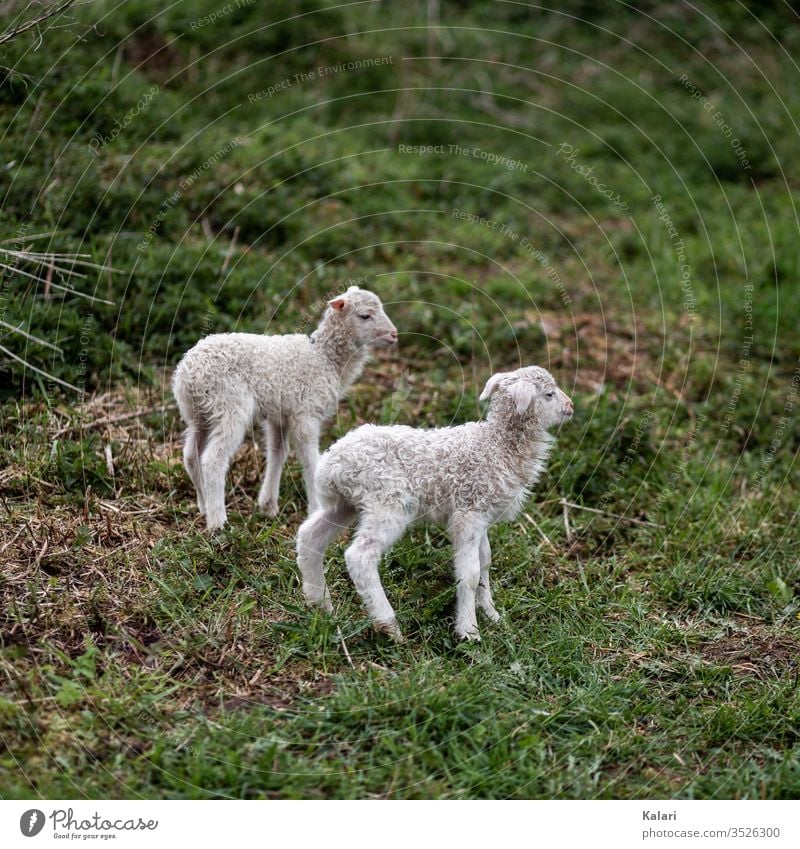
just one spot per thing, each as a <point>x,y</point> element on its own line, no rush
<point>492,615</point>
<point>213,525</point>
<point>270,508</point>
<point>391,629</point>
<point>325,604</point>
<point>471,636</point>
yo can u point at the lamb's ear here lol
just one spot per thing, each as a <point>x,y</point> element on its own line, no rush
<point>491,385</point>
<point>523,392</point>
<point>338,304</point>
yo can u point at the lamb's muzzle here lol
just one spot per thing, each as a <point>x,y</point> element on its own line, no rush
<point>465,478</point>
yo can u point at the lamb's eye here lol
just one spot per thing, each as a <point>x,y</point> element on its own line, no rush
<point>550,394</point>
<point>365,317</point>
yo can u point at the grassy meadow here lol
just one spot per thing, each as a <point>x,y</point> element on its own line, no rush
<point>607,190</point>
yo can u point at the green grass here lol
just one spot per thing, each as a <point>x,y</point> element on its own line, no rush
<point>645,657</point>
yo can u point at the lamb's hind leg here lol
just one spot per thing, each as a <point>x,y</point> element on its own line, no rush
<point>317,532</point>
<point>277,447</point>
<point>224,439</point>
<point>375,535</point>
<point>305,434</point>
<point>194,441</point>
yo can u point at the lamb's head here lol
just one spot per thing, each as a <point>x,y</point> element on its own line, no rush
<point>530,395</point>
<point>361,312</point>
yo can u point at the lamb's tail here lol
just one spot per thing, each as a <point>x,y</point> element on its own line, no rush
<point>180,389</point>
<point>329,493</point>
<point>195,419</point>
<point>195,436</point>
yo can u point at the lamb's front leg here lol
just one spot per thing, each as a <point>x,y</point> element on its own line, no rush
<point>466,538</point>
<point>484,594</point>
<point>305,433</point>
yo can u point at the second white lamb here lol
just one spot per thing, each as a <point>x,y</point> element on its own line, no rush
<point>465,478</point>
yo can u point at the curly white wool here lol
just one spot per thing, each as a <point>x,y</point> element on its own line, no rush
<point>291,384</point>
<point>466,478</point>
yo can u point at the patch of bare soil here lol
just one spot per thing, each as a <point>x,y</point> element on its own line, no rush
<point>756,653</point>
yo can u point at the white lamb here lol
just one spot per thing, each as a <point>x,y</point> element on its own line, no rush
<point>290,384</point>
<point>466,478</point>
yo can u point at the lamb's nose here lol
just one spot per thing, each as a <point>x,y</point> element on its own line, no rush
<point>393,335</point>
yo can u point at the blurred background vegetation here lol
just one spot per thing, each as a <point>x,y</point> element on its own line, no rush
<point>108,116</point>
